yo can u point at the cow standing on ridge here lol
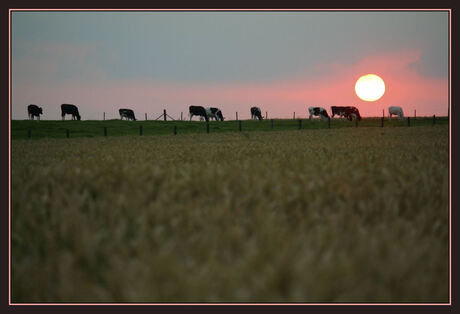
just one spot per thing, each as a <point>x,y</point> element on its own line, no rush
<point>127,113</point>
<point>256,113</point>
<point>319,112</point>
<point>396,110</point>
<point>215,113</point>
<point>34,110</point>
<point>349,112</point>
<point>197,111</point>
<point>70,109</point>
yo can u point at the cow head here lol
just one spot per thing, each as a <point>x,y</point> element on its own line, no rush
<point>40,110</point>
<point>219,114</point>
<point>78,117</point>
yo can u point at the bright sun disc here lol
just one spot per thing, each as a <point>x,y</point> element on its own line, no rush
<point>370,87</point>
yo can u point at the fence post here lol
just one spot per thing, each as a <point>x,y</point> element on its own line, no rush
<point>237,116</point>
<point>104,116</point>
<point>239,125</point>
<point>382,121</point>
<point>181,115</point>
<point>28,133</point>
<point>408,121</point>
<point>266,115</point>
<point>300,124</point>
<point>175,130</point>
<point>415,113</point>
<point>207,127</point>
<point>164,114</point>
<point>271,120</point>
<point>105,131</point>
<point>294,115</point>
<point>434,119</point>
<point>140,130</point>
<point>383,113</point>
<point>146,116</point>
<point>67,133</point>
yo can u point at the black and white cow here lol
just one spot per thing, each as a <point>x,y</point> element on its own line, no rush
<point>197,111</point>
<point>215,113</point>
<point>34,110</point>
<point>396,110</point>
<point>256,113</point>
<point>349,112</point>
<point>127,113</point>
<point>70,109</point>
<point>318,111</point>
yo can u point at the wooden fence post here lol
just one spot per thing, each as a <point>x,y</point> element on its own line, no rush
<point>237,116</point>
<point>239,125</point>
<point>181,115</point>
<point>104,116</point>
<point>434,119</point>
<point>294,115</point>
<point>146,116</point>
<point>415,113</point>
<point>140,130</point>
<point>382,121</point>
<point>408,121</point>
<point>164,114</point>
<point>266,115</point>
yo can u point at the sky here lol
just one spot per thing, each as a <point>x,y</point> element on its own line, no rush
<point>282,62</point>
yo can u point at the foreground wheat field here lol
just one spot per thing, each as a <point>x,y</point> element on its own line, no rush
<point>345,215</point>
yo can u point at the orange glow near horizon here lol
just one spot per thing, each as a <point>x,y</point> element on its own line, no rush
<point>370,87</point>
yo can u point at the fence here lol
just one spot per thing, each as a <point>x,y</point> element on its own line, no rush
<point>255,125</point>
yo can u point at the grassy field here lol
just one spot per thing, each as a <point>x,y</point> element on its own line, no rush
<point>341,215</point>
<point>57,129</point>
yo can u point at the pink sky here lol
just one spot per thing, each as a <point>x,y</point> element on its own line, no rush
<point>326,85</point>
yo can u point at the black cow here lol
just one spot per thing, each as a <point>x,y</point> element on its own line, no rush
<point>348,112</point>
<point>215,113</point>
<point>318,111</point>
<point>34,110</point>
<point>256,113</point>
<point>197,111</point>
<point>70,109</point>
<point>127,113</point>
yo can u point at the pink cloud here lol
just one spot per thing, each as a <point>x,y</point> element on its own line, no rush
<point>330,84</point>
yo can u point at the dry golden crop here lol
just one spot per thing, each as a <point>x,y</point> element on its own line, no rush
<point>345,215</point>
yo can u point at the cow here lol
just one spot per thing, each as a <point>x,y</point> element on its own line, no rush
<point>34,110</point>
<point>396,110</point>
<point>318,111</point>
<point>256,113</point>
<point>348,112</point>
<point>197,111</point>
<point>215,113</point>
<point>70,109</point>
<point>127,113</point>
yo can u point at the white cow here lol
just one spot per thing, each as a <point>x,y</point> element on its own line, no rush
<point>396,110</point>
<point>318,111</point>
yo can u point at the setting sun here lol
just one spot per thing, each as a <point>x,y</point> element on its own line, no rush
<point>370,87</point>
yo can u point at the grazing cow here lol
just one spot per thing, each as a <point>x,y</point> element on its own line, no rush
<point>318,111</point>
<point>396,110</point>
<point>197,111</point>
<point>348,112</point>
<point>70,109</point>
<point>256,113</point>
<point>127,113</point>
<point>215,113</point>
<point>34,110</point>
